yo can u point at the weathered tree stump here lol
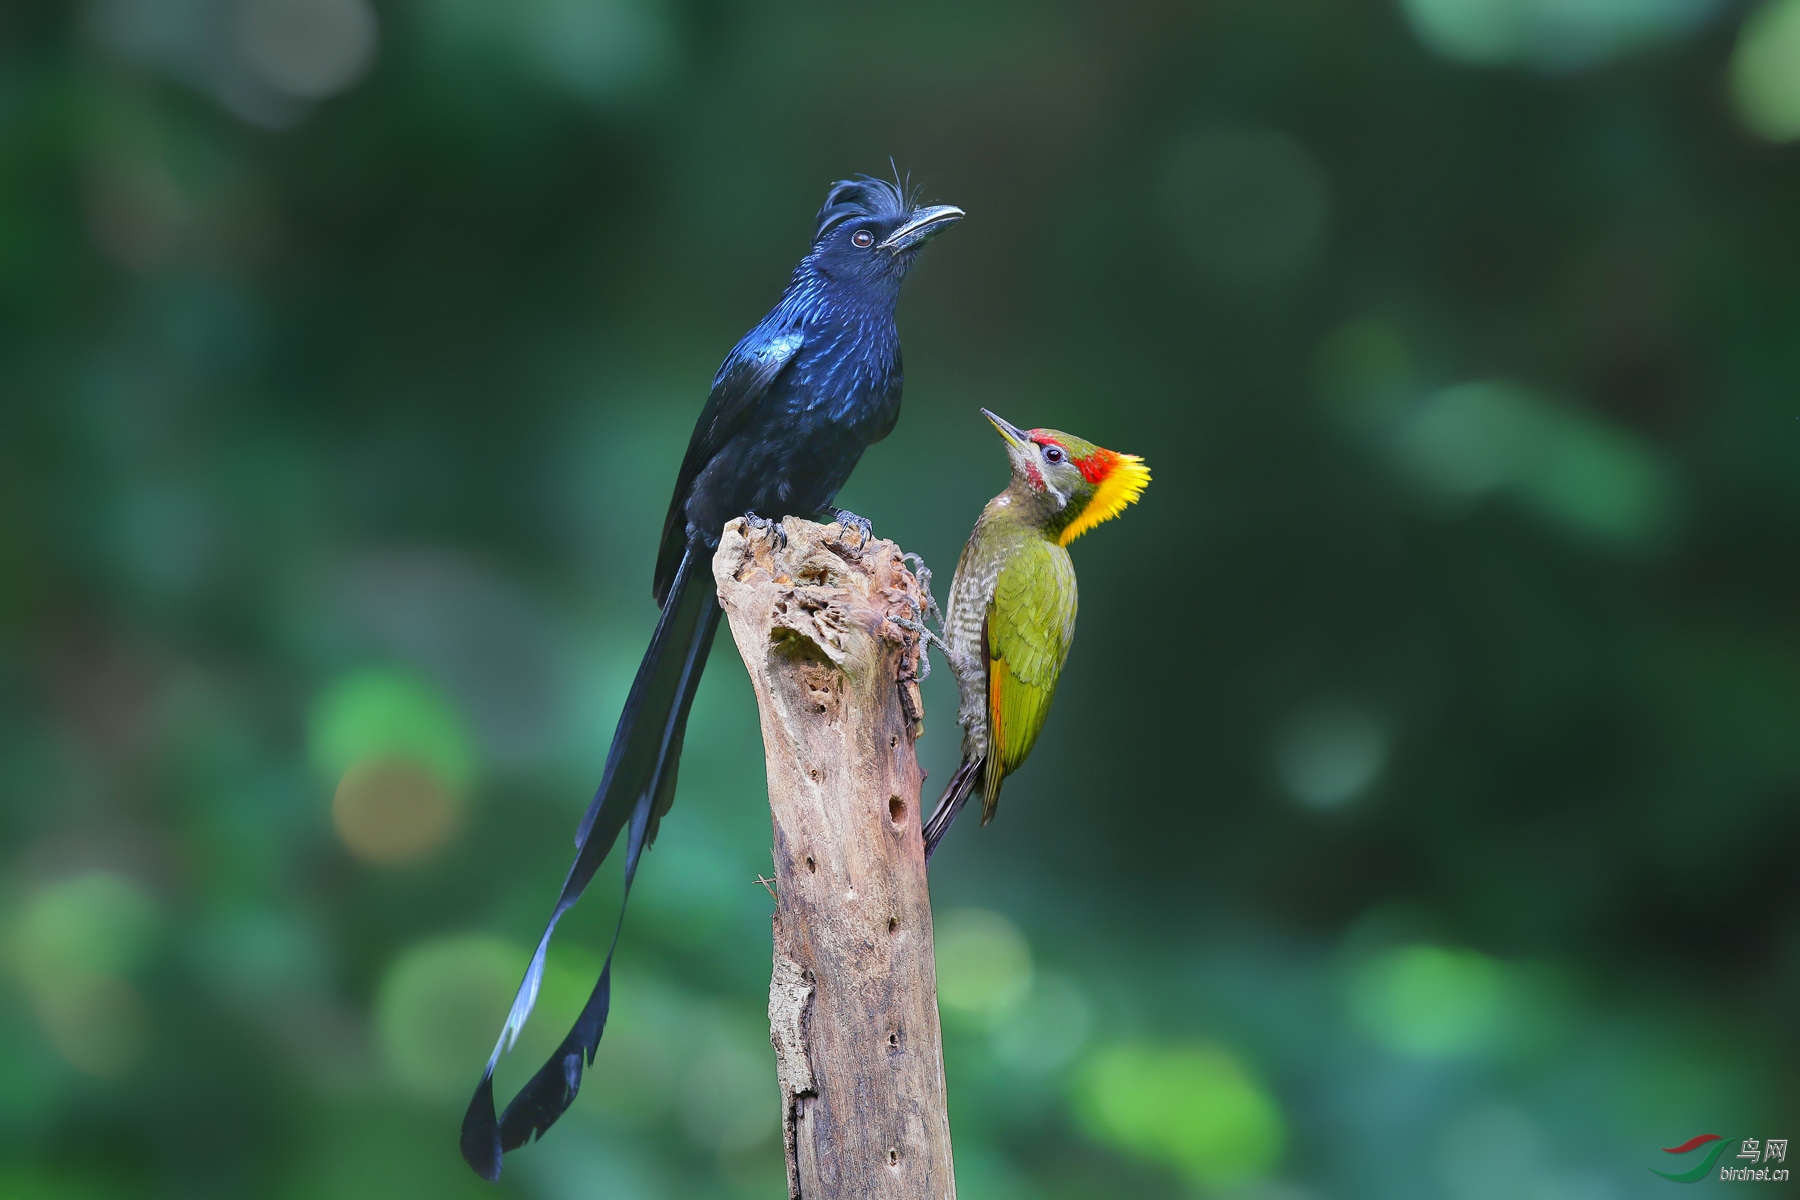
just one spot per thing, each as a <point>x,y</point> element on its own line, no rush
<point>853,1001</point>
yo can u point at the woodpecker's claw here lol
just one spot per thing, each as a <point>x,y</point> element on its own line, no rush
<point>865,529</point>
<point>925,609</point>
<point>761,523</point>
<point>925,635</point>
<point>928,608</point>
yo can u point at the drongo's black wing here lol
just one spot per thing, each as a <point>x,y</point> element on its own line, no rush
<point>743,379</point>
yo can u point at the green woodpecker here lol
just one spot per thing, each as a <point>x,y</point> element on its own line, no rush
<point>1012,604</point>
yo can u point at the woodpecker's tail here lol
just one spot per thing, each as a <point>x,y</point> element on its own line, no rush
<point>635,792</point>
<point>964,782</point>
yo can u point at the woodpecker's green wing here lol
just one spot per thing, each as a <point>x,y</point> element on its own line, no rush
<point>1030,624</point>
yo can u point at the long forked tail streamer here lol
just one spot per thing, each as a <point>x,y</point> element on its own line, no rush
<point>636,790</point>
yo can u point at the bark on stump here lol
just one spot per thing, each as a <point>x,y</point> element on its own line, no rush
<point>853,1001</point>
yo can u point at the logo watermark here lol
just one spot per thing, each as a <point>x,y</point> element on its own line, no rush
<point>1749,1166</point>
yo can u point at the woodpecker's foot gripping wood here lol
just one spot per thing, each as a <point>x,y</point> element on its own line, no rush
<point>853,1001</point>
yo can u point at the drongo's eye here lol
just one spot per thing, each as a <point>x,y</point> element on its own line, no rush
<point>1053,454</point>
<point>862,239</point>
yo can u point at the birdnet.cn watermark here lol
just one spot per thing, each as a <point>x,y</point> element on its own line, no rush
<point>1756,1161</point>
<point>1771,1150</point>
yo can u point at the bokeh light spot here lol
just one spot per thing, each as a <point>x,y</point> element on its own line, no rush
<point>1193,1108</point>
<point>605,53</point>
<point>1473,31</point>
<point>1430,1001</point>
<point>442,1001</point>
<point>388,714</point>
<point>1469,439</point>
<point>393,810</point>
<point>1765,71</point>
<point>99,1025</point>
<point>1579,472</point>
<point>1554,34</point>
<point>1364,371</point>
<point>1047,1029</point>
<point>307,49</point>
<point>1249,205</point>
<point>983,963</point>
<point>73,943</point>
<point>92,924</point>
<point>439,1007</point>
<point>1329,755</point>
<point>600,50</point>
<point>1497,1153</point>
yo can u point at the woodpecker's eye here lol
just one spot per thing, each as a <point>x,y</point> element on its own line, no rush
<point>1053,454</point>
<point>862,239</point>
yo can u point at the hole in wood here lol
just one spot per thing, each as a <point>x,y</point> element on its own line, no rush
<point>893,1039</point>
<point>896,809</point>
<point>893,1157</point>
<point>810,864</point>
<point>893,924</point>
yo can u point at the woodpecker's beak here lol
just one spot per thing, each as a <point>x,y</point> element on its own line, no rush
<point>923,224</point>
<point>1016,438</point>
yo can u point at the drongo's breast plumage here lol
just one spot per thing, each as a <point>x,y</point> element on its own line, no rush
<point>797,402</point>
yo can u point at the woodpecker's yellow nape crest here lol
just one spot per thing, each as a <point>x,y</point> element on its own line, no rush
<point>1118,479</point>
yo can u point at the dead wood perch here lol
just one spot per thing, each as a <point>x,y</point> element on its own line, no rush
<point>853,1002</point>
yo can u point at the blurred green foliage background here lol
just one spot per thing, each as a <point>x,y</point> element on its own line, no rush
<point>1418,815</point>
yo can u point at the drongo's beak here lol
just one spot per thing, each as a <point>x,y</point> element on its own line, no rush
<point>1016,438</point>
<point>922,224</point>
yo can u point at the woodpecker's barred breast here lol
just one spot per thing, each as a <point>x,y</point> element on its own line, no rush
<point>995,543</point>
